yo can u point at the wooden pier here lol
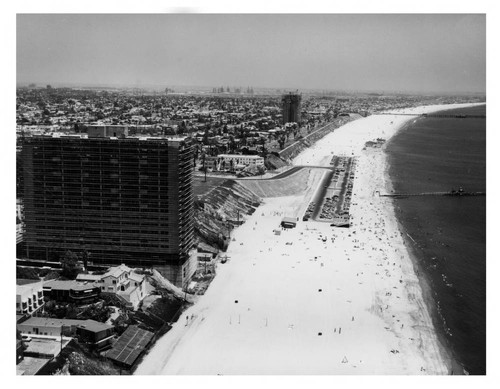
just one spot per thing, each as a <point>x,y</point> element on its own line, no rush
<point>450,194</point>
<point>431,115</point>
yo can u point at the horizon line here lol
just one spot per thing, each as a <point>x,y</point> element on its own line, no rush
<point>160,87</point>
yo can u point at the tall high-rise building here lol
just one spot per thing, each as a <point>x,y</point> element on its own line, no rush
<point>122,199</point>
<point>291,108</point>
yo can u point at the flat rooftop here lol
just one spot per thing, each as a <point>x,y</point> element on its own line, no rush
<point>51,322</point>
<point>30,365</point>
<point>239,156</point>
<point>70,285</point>
<point>141,137</point>
<point>88,324</point>
<point>45,346</point>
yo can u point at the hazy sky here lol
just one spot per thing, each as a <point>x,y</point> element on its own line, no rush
<point>421,53</point>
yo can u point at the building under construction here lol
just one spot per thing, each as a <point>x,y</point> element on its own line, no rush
<point>291,108</point>
<point>122,199</point>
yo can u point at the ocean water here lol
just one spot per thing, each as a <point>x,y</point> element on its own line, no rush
<point>449,233</point>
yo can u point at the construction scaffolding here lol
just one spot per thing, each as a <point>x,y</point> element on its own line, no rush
<point>124,200</point>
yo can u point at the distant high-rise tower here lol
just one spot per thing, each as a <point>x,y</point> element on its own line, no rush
<point>122,199</point>
<point>291,108</point>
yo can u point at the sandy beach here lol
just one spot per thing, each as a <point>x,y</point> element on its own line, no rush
<point>314,299</point>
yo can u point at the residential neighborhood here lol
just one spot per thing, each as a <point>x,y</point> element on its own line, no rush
<point>61,321</point>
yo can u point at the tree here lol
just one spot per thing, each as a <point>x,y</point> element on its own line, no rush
<point>205,136</point>
<point>121,322</point>
<point>52,275</point>
<point>281,141</point>
<point>71,311</point>
<point>195,155</point>
<point>263,143</point>
<point>69,264</point>
<point>85,258</point>
<point>232,144</point>
<point>182,127</point>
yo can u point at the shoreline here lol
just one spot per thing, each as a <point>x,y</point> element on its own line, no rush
<point>263,313</point>
<point>424,282</point>
<point>451,360</point>
<point>455,367</point>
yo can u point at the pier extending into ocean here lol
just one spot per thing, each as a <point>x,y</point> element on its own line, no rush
<point>450,193</point>
<point>442,116</point>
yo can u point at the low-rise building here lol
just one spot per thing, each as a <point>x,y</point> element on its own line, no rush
<point>206,253</point>
<point>122,281</point>
<point>92,332</point>
<point>72,291</point>
<point>19,347</point>
<point>48,326</point>
<point>211,162</point>
<point>84,277</point>
<point>129,346</point>
<point>226,161</point>
<point>98,335</point>
<point>29,296</point>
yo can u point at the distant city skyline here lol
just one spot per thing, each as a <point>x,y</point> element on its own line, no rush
<point>419,53</point>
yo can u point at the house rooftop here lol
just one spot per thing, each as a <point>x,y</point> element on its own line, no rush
<point>117,271</point>
<point>50,322</point>
<point>205,248</point>
<point>69,285</point>
<point>28,287</point>
<point>88,277</point>
<point>238,156</point>
<point>136,277</point>
<point>94,326</point>
<point>90,325</point>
